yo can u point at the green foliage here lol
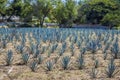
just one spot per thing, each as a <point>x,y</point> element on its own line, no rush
<point>112,19</point>
<point>65,12</point>
<point>41,9</point>
<point>104,12</point>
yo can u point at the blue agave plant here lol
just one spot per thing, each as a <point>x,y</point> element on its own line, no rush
<point>81,61</point>
<point>9,57</point>
<point>65,62</point>
<point>36,54</point>
<point>33,66</point>
<point>49,65</point>
<point>111,69</point>
<point>40,59</point>
<point>25,58</point>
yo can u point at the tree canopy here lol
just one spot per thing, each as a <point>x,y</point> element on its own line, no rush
<point>64,12</point>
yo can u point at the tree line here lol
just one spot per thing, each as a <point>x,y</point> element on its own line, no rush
<point>64,12</point>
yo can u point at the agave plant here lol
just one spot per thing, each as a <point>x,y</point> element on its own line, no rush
<point>81,62</point>
<point>72,53</point>
<point>36,54</point>
<point>61,52</point>
<point>49,54</point>
<point>40,59</point>
<point>33,66</point>
<point>65,62</point>
<point>96,64</point>
<point>49,65</point>
<point>25,58</point>
<point>94,73</point>
<point>56,59</point>
<point>105,55</point>
<point>111,69</point>
<point>9,57</point>
<point>20,48</point>
<point>4,44</point>
<point>43,49</point>
<point>115,50</point>
<point>83,50</point>
<point>52,49</point>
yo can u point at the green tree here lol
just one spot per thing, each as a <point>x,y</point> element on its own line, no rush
<point>65,12</point>
<point>26,10</point>
<point>13,9</point>
<point>93,11</point>
<point>41,9</point>
<point>3,4</point>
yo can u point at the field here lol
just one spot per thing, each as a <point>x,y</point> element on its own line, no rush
<point>59,54</point>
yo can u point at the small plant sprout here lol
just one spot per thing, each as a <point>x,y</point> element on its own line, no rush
<point>49,65</point>
<point>94,73</point>
<point>25,58</point>
<point>65,62</point>
<point>96,64</point>
<point>111,69</point>
<point>9,57</point>
<point>33,66</point>
<point>81,61</point>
